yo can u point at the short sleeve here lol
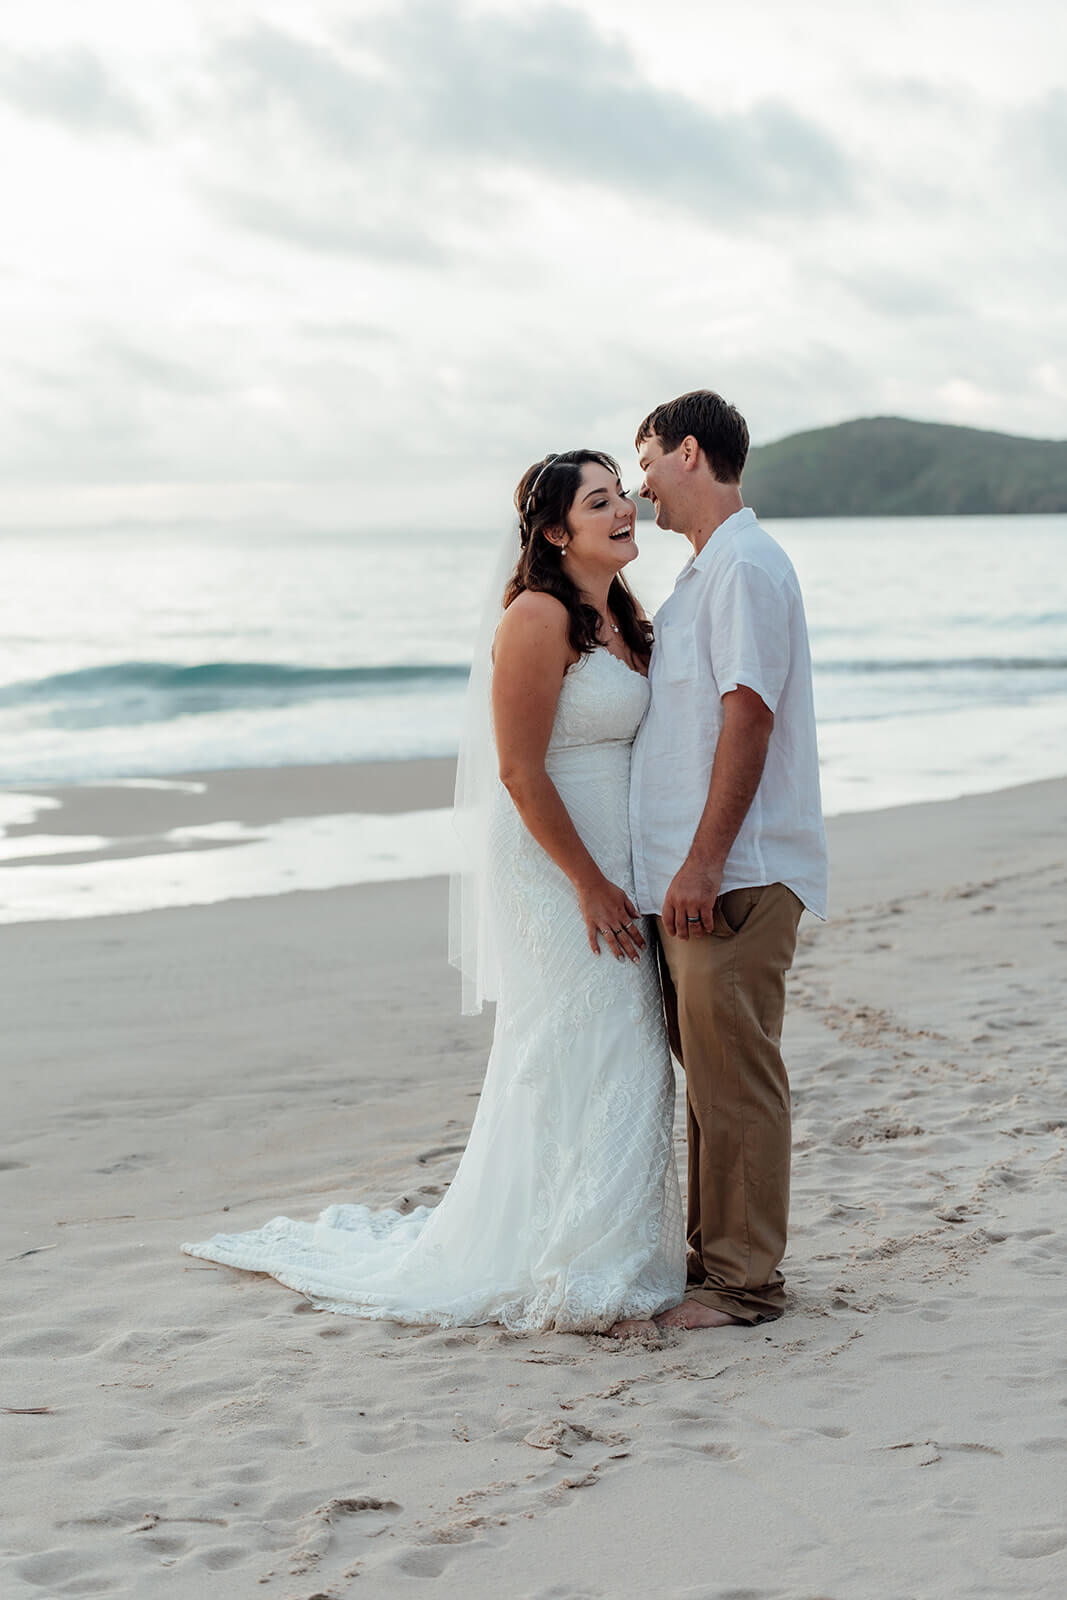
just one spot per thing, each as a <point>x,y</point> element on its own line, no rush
<point>749,632</point>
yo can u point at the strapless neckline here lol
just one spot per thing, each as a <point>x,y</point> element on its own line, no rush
<point>602,649</point>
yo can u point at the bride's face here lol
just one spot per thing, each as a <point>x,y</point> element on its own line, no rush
<point>600,522</point>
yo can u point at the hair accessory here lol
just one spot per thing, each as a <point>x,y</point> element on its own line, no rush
<point>533,487</point>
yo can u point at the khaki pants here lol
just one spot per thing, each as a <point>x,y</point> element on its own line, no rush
<point>724,995</point>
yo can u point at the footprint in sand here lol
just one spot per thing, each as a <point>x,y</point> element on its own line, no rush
<point>49,1343</point>
<point>126,1164</point>
<point>438,1152</point>
<point>689,1431</point>
<point>559,1591</point>
<point>421,1563</point>
<point>49,1570</point>
<point>1030,1544</point>
<point>330,1529</point>
<point>717,1452</point>
<point>567,1437</point>
<point>427,1194</point>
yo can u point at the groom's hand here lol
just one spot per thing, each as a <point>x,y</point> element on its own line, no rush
<point>689,907</point>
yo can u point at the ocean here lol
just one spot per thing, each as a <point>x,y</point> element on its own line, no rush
<point>939,644</point>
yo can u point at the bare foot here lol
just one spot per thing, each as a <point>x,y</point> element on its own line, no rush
<point>633,1328</point>
<point>691,1314</point>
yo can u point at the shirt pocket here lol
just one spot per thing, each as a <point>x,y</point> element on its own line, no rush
<point>677,646</point>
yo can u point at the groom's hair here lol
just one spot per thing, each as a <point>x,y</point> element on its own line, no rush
<point>718,428</point>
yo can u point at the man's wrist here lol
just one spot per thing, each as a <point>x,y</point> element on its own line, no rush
<point>710,863</point>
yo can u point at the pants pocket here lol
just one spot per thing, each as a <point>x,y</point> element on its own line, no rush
<point>732,911</point>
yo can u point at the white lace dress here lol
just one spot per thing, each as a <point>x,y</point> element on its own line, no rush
<point>565,1210</point>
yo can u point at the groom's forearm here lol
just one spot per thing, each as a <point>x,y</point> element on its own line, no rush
<point>740,756</point>
<point>689,904</point>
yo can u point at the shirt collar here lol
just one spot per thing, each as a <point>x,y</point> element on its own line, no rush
<point>723,535</point>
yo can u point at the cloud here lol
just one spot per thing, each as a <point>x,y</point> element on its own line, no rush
<point>333,225</point>
<point>346,331</point>
<point>149,369</point>
<point>901,294</point>
<point>71,87</point>
<point>1037,137</point>
<point>493,234</point>
<point>415,126</point>
<point>551,92</point>
<point>266,72</point>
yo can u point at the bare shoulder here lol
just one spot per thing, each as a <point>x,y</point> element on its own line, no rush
<point>533,611</point>
<point>534,622</point>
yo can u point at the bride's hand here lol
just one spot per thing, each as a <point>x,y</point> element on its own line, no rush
<point>611,915</point>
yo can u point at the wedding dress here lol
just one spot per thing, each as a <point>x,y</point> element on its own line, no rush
<point>564,1212</point>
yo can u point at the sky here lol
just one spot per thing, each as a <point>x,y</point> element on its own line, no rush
<point>358,265</point>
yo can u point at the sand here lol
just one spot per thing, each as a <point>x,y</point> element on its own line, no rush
<point>172,1428</point>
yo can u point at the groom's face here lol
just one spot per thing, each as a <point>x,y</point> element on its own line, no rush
<point>661,472</point>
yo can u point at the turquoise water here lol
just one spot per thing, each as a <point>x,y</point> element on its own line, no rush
<point>940,648</point>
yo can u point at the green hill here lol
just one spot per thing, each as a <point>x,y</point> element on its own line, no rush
<point>888,466</point>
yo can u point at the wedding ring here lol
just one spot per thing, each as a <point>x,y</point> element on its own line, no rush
<point>694,919</point>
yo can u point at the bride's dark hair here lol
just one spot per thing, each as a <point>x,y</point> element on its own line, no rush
<point>543,499</point>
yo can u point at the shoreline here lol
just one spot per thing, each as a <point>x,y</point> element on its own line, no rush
<point>270,794</point>
<point>120,807</point>
<point>211,1066</point>
<point>135,846</point>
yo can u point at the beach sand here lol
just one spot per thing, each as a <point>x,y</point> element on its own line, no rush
<point>173,1428</point>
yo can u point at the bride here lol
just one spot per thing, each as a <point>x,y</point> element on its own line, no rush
<point>564,1213</point>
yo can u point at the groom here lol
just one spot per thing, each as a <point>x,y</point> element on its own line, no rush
<point>729,847</point>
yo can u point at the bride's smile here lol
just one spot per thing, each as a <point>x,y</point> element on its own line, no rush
<point>599,536</point>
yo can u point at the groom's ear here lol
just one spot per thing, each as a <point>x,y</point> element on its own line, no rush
<point>689,450</point>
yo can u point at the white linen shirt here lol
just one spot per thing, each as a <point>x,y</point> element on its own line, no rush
<point>736,617</point>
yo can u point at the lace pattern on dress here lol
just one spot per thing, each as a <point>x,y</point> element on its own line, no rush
<point>565,1210</point>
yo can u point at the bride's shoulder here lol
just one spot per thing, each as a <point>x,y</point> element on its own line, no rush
<point>533,607</point>
<point>535,625</point>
